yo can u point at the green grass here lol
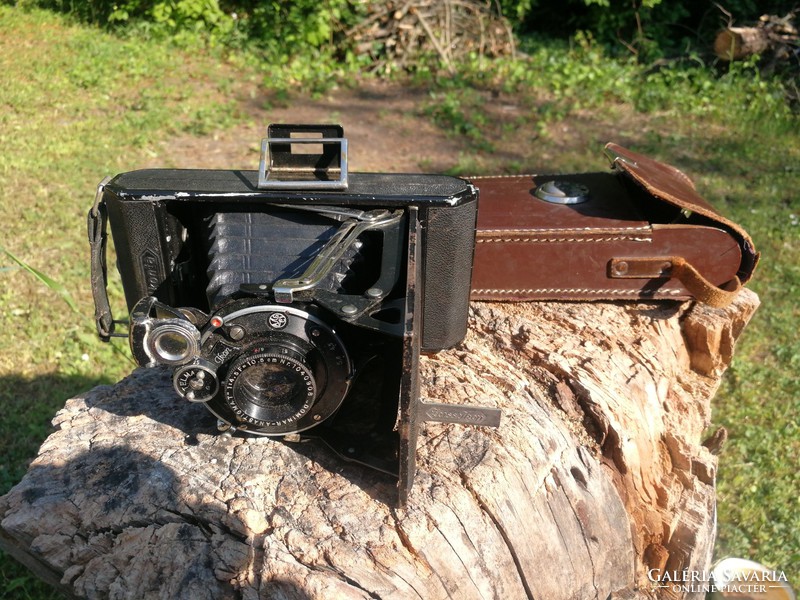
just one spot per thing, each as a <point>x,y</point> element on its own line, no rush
<point>750,172</point>
<point>760,403</point>
<point>77,104</point>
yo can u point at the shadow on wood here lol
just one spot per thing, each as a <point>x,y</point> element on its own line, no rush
<point>596,475</point>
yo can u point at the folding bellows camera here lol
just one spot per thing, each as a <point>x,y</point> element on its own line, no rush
<point>294,301</point>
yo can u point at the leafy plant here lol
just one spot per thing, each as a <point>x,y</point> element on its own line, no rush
<point>461,112</point>
<point>47,281</point>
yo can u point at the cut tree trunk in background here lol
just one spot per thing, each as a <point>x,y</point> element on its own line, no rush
<point>596,475</point>
<point>736,43</point>
<point>776,36</point>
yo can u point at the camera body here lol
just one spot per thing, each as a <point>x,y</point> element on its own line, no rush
<point>294,300</point>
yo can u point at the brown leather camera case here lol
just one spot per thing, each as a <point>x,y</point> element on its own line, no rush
<point>643,233</point>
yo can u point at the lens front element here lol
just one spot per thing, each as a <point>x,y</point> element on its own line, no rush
<point>272,386</point>
<point>173,344</point>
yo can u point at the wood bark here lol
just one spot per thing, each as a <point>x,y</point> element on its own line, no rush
<point>596,475</point>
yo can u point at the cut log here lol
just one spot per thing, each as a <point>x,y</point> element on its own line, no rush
<point>596,476</point>
<point>736,43</point>
<point>776,36</point>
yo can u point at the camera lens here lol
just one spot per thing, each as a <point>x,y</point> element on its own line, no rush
<point>272,385</point>
<point>289,372</point>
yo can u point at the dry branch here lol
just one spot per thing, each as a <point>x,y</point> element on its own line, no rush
<point>401,34</point>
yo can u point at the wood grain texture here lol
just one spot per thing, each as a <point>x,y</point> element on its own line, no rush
<point>596,474</point>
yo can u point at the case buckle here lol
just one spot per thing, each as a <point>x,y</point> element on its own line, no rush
<point>641,267</point>
<point>718,296</point>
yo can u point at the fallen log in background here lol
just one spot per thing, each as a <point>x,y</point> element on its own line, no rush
<point>596,475</point>
<point>736,43</point>
<point>777,36</point>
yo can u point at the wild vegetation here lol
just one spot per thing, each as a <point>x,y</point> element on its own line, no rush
<point>98,88</point>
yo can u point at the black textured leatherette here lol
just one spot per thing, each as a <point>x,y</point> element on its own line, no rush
<point>447,249</point>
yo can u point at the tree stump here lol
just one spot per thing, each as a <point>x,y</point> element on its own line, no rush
<point>596,475</point>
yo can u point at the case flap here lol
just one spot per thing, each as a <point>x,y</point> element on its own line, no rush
<point>672,185</point>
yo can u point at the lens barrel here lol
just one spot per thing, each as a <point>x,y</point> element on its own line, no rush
<point>281,369</point>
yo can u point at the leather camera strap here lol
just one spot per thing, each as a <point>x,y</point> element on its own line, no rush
<point>676,267</point>
<point>703,290</point>
<point>98,239</point>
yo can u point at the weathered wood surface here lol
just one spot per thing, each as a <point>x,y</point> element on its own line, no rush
<point>596,475</point>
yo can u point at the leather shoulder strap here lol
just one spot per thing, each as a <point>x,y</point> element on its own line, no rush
<point>98,238</point>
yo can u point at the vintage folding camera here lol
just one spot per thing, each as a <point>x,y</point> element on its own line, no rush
<point>294,301</point>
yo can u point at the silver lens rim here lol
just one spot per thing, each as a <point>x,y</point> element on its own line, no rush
<point>161,353</point>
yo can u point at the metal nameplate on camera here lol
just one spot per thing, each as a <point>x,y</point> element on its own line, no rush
<point>463,415</point>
